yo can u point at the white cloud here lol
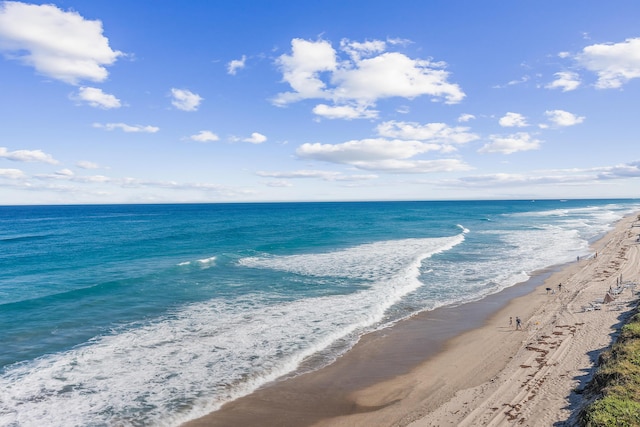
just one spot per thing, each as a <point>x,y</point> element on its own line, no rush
<point>513,120</point>
<point>365,150</point>
<point>356,50</point>
<point>12,174</point>
<point>205,136</point>
<point>563,118</point>
<point>85,164</point>
<point>69,176</point>
<point>629,170</point>
<point>393,74</point>
<point>256,138</point>
<point>126,128</point>
<point>301,70</point>
<point>414,166</point>
<point>347,112</point>
<point>614,63</point>
<point>568,176</point>
<point>316,174</point>
<point>58,44</point>
<point>466,117</point>
<point>185,100</point>
<point>173,185</point>
<point>366,74</point>
<point>279,184</point>
<point>513,180</point>
<point>565,80</point>
<point>438,132</point>
<point>510,144</point>
<point>522,80</point>
<point>97,98</point>
<point>27,156</point>
<point>65,172</point>
<point>235,65</point>
<point>394,150</point>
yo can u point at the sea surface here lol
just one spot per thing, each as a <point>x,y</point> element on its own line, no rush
<point>156,314</point>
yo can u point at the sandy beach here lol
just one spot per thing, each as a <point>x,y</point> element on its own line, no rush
<point>469,365</point>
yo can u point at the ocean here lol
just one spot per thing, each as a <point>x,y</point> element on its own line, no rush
<point>157,314</point>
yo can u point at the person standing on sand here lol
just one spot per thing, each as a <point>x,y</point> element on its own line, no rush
<point>510,321</point>
<point>518,323</point>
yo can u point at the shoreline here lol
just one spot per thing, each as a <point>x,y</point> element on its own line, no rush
<point>435,367</point>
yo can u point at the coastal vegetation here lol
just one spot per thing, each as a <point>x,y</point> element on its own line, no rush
<point>615,386</point>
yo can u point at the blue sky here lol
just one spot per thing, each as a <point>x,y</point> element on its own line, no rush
<point>164,101</point>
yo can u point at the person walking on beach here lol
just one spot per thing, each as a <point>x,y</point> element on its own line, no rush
<point>518,323</point>
<point>510,321</point>
<point>559,287</point>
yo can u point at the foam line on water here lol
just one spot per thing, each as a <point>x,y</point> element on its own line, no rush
<point>185,365</point>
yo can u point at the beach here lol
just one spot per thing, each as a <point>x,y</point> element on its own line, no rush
<point>468,365</point>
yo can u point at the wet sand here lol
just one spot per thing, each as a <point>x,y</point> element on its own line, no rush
<point>463,365</point>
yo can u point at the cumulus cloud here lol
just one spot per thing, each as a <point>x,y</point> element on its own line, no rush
<point>205,136</point>
<point>365,150</point>
<point>347,112</point>
<point>126,128</point>
<point>465,118</point>
<point>302,70</point>
<point>510,144</point>
<point>614,63</point>
<point>415,166</point>
<point>396,148</point>
<point>436,132</point>
<point>256,138</point>
<point>97,98</point>
<point>68,175</point>
<point>85,164</point>
<point>394,74</point>
<point>513,120</point>
<point>235,65</point>
<point>12,174</point>
<point>27,156</point>
<point>65,172</point>
<point>358,76</point>
<point>357,50</point>
<point>185,100</point>
<point>565,80</point>
<point>58,44</point>
<point>381,155</point>
<point>563,118</point>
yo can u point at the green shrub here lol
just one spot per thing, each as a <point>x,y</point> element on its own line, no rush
<point>616,383</point>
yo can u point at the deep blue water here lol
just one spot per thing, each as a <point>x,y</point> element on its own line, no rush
<point>155,314</point>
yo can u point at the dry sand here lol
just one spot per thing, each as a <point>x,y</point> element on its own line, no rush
<point>493,375</point>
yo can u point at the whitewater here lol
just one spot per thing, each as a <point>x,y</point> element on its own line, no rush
<point>157,314</point>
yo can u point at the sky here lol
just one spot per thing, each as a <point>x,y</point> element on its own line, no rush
<point>166,101</point>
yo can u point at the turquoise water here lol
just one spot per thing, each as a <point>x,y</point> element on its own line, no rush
<point>157,314</point>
